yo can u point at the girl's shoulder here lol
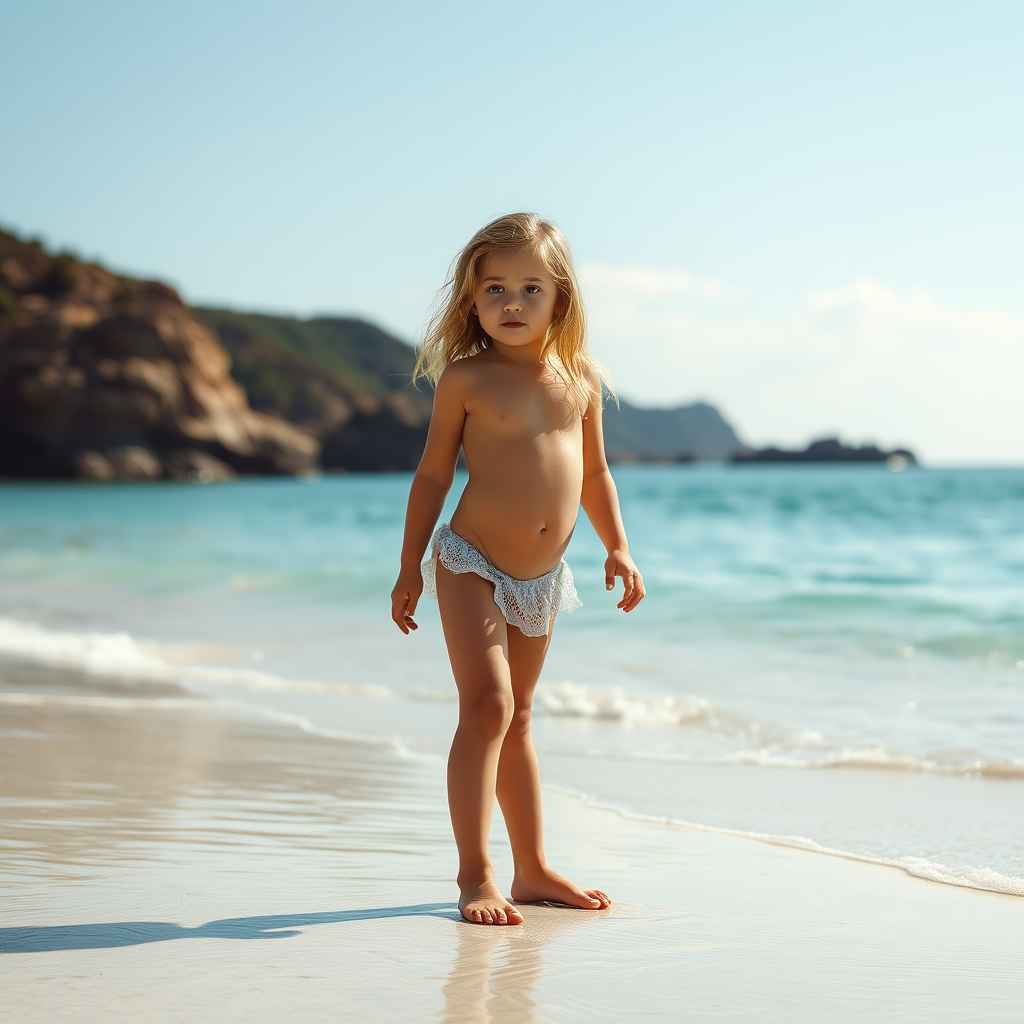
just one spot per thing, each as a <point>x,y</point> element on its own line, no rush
<point>592,384</point>
<point>466,369</point>
<point>455,370</point>
<point>459,379</point>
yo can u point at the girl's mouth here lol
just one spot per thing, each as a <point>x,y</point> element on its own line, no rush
<point>513,323</point>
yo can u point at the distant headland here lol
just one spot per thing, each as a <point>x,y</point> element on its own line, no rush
<point>828,450</point>
<point>105,377</point>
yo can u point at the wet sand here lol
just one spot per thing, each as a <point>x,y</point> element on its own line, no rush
<point>169,859</point>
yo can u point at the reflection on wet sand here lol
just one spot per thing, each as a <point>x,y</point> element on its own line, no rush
<point>497,969</point>
<point>87,785</point>
<point>106,777</point>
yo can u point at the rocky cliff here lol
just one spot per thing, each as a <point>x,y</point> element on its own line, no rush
<point>345,381</point>
<point>108,377</point>
<point>104,376</point>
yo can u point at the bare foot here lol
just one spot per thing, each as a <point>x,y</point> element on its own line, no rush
<point>548,886</point>
<point>483,903</point>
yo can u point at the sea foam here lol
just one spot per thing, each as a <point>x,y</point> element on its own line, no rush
<point>920,867</point>
<point>119,654</point>
<point>742,741</point>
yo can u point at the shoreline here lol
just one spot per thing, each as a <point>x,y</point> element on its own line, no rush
<point>916,867</point>
<point>142,670</point>
<point>148,847</point>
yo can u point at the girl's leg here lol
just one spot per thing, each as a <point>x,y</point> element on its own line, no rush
<point>518,786</point>
<point>476,635</point>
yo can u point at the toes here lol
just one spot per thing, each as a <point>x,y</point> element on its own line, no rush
<point>497,915</point>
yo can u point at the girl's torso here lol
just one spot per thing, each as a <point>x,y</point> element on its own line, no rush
<point>523,442</point>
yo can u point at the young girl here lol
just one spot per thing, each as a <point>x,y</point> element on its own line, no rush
<point>518,391</point>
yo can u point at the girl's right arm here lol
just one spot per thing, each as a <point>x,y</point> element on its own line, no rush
<point>430,487</point>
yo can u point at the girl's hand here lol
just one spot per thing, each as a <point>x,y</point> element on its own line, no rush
<point>619,563</point>
<point>404,599</point>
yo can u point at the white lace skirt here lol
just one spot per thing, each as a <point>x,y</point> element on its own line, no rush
<point>528,604</point>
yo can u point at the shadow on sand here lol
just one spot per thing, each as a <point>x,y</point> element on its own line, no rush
<point>44,939</point>
<point>495,972</point>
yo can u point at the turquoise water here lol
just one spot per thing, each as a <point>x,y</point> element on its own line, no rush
<point>829,656</point>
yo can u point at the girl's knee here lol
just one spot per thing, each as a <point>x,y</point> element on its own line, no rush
<point>519,726</point>
<point>489,713</point>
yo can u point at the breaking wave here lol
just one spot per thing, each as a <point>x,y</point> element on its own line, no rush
<point>743,741</point>
<point>119,654</point>
<point>571,700</point>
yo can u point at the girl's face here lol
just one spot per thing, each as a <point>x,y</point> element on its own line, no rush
<point>515,298</point>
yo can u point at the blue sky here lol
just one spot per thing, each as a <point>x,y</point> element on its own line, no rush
<point>809,213</point>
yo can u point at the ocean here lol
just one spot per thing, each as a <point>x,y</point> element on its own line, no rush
<point>828,657</point>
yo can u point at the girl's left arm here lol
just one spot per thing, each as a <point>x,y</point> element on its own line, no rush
<point>600,501</point>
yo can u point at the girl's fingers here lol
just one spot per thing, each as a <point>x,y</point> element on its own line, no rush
<point>638,593</point>
<point>410,607</point>
<point>401,612</point>
<point>634,592</point>
<point>632,587</point>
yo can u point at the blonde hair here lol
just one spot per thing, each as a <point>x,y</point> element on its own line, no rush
<point>454,332</point>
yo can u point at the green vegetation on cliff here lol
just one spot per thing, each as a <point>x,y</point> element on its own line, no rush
<point>318,372</point>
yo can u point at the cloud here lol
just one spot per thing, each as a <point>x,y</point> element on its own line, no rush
<point>863,360</point>
<point>648,283</point>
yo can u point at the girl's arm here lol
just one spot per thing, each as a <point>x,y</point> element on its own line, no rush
<point>600,501</point>
<point>430,486</point>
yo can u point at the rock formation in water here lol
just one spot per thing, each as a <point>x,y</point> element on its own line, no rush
<point>104,376</point>
<point>828,450</point>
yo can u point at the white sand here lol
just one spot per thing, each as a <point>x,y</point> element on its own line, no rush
<point>185,865</point>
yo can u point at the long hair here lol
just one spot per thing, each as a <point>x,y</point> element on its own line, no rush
<point>454,332</point>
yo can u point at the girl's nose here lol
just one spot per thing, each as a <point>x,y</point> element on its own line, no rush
<point>513,307</point>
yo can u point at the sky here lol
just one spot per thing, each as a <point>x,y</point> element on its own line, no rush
<point>810,214</point>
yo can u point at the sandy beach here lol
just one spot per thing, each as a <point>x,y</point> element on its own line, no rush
<point>151,837</point>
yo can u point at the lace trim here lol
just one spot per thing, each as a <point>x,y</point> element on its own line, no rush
<point>528,604</point>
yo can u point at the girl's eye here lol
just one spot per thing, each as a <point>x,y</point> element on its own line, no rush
<point>495,289</point>
<point>531,289</point>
